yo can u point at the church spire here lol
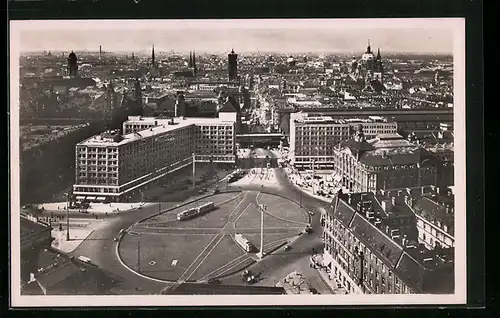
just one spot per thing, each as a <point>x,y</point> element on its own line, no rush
<point>190,59</point>
<point>194,63</point>
<point>378,55</point>
<point>153,56</point>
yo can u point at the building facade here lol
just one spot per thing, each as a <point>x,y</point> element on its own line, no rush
<point>313,138</point>
<point>111,166</point>
<point>435,218</point>
<point>371,246</point>
<point>386,162</point>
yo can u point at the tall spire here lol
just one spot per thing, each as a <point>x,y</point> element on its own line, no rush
<point>378,55</point>
<point>153,56</point>
<point>368,49</point>
<point>195,69</point>
<point>190,59</point>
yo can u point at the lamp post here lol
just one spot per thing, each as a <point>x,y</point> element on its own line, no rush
<point>261,252</point>
<point>67,216</point>
<point>194,171</point>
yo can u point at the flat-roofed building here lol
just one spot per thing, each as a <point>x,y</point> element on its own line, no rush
<point>372,245</point>
<point>111,166</point>
<point>313,138</point>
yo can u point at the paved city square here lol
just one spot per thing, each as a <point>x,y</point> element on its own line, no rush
<point>201,248</point>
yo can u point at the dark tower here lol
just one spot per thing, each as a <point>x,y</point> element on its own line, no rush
<point>110,104</point>
<point>379,66</point>
<point>369,48</point>
<point>153,56</point>
<point>100,52</point>
<point>72,64</point>
<point>133,56</point>
<point>232,65</point>
<point>195,68</point>
<point>138,92</point>
<point>190,59</point>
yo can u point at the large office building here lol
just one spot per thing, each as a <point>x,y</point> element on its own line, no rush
<point>112,166</point>
<point>386,162</point>
<point>373,245</point>
<point>313,138</point>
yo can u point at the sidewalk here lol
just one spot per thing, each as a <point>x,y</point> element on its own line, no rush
<point>95,208</point>
<point>326,275</point>
<point>308,190</point>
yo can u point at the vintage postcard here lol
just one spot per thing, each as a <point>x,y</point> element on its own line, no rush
<point>200,162</point>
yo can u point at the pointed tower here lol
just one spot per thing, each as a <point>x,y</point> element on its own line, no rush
<point>133,56</point>
<point>153,56</point>
<point>195,68</point>
<point>190,59</point>
<point>378,55</point>
<point>368,48</point>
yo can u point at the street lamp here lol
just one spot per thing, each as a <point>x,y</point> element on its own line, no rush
<point>262,208</point>
<point>67,215</point>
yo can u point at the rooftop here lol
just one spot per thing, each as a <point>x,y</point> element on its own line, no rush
<point>162,125</point>
<point>313,119</point>
<point>60,274</point>
<point>414,264</point>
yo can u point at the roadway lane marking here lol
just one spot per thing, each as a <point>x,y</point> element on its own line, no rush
<point>206,256</point>
<point>199,255</point>
<point>243,212</point>
<point>231,263</point>
<point>236,207</point>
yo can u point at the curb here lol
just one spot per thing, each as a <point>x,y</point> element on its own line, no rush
<point>117,248</point>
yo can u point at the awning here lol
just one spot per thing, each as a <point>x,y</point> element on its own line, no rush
<point>91,198</point>
<point>80,197</point>
<point>101,198</point>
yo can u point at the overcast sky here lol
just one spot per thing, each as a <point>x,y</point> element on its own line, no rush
<point>219,36</point>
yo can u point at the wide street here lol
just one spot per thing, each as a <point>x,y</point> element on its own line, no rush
<point>101,248</point>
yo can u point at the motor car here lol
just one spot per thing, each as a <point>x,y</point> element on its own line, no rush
<point>313,291</point>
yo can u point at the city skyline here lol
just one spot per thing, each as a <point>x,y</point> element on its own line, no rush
<point>244,36</point>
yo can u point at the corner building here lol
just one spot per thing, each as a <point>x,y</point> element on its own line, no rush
<point>372,245</point>
<point>112,166</point>
<point>386,162</point>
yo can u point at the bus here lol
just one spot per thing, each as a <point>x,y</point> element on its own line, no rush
<point>84,259</point>
<point>187,214</point>
<point>243,242</point>
<point>207,207</point>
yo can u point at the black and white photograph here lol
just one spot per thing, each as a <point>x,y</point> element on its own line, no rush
<point>237,162</point>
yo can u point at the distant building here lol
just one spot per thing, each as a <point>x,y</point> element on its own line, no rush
<point>72,65</point>
<point>372,245</point>
<point>232,65</point>
<point>389,161</point>
<point>313,138</point>
<point>113,166</point>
